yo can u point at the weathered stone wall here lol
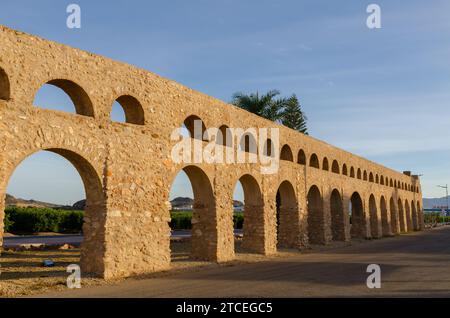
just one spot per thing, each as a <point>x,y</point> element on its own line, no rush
<point>128,172</point>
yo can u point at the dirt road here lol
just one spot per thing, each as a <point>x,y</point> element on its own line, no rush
<point>416,264</point>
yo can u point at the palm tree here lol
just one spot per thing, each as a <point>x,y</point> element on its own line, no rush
<point>286,111</point>
<point>265,105</point>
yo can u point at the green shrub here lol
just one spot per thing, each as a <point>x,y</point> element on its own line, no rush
<point>8,223</point>
<point>34,220</point>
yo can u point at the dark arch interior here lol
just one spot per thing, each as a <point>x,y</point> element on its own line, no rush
<point>286,154</point>
<point>401,216</point>
<point>4,85</point>
<point>373,216</point>
<point>394,216</point>
<point>134,113</point>
<point>337,216</point>
<point>325,164</point>
<point>287,216</point>
<point>335,167</point>
<point>357,218</point>
<point>269,148</point>
<point>385,224</point>
<point>248,143</point>
<point>301,158</point>
<point>314,161</point>
<point>315,216</point>
<point>196,127</point>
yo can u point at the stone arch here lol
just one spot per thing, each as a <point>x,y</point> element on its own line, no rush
<point>377,180</point>
<point>344,170</point>
<point>401,216</point>
<point>365,175</point>
<point>4,85</point>
<point>337,216</point>
<point>325,164</point>
<point>419,216</point>
<point>391,184</point>
<point>408,216</point>
<point>358,174</point>
<point>226,136</point>
<point>253,238</point>
<point>385,221</point>
<point>382,180</point>
<point>286,154</point>
<point>316,220</point>
<point>80,99</point>
<point>134,112</point>
<point>196,127</point>
<point>371,177</point>
<point>394,216</point>
<point>415,222</point>
<point>357,217</point>
<point>93,246</point>
<point>314,161</point>
<point>373,213</point>
<point>287,216</point>
<point>204,229</point>
<point>301,157</point>
<point>335,167</point>
<point>269,148</point>
<point>352,172</point>
<point>248,143</point>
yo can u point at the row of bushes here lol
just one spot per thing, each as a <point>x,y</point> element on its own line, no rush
<point>433,217</point>
<point>182,220</point>
<point>22,220</point>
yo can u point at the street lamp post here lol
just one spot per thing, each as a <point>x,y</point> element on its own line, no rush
<point>446,196</point>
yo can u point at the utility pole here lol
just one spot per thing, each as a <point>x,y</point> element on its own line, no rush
<point>446,196</point>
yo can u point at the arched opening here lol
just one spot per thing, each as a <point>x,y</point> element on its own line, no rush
<point>401,216</point>
<point>196,127</point>
<point>365,175</point>
<point>415,222</point>
<point>391,184</point>
<point>344,170</point>
<point>357,217</point>
<point>248,143</point>
<point>382,180</point>
<point>225,138</point>
<point>325,164</point>
<point>352,172</point>
<point>314,161</point>
<point>287,216</point>
<point>132,110</point>
<point>4,85</point>
<point>409,224</point>
<point>269,149</point>
<point>316,220</point>
<point>419,216</point>
<point>371,177</point>
<point>373,217</point>
<point>301,157</point>
<point>394,217</point>
<point>60,177</point>
<point>335,167</point>
<point>385,224</point>
<point>191,194</point>
<point>377,179</point>
<point>358,175</point>
<point>253,239</point>
<point>337,216</point>
<point>64,95</point>
<point>286,154</point>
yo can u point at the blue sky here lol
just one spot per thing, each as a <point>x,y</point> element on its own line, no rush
<point>383,94</point>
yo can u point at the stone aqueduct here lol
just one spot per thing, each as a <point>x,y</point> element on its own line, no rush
<point>127,169</point>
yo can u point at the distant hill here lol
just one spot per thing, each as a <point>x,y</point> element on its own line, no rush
<point>13,201</point>
<point>429,203</point>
